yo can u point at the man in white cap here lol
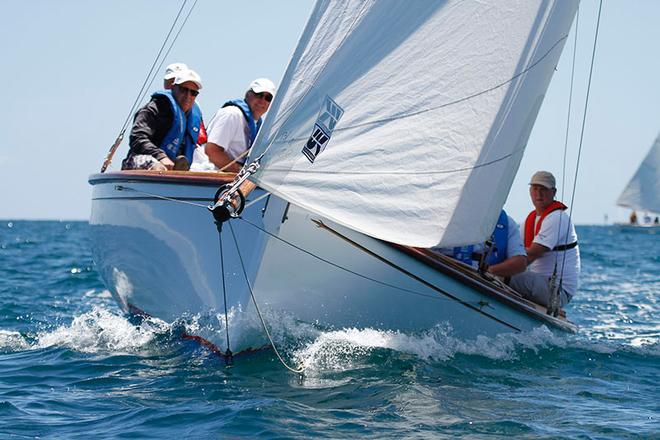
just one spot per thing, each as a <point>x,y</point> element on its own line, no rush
<point>170,73</point>
<point>233,128</point>
<point>166,130</point>
<point>551,244</point>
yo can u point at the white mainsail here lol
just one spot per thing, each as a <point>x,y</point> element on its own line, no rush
<point>407,121</point>
<point>643,190</point>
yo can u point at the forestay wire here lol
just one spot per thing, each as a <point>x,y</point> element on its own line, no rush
<point>157,64</point>
<point>554,302</point>
<point>300,370</point>
<point>584,118</point>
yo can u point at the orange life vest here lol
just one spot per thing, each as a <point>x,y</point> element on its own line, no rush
<point>532,229</point>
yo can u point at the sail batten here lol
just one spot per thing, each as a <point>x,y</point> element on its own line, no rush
<point>643,191</point>
<point>407,121</point>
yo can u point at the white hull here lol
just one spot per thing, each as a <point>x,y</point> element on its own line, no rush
<point>162,258</point>
<point>648,228</point>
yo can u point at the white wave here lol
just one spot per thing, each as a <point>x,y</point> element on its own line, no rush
<point>343,349</point>
<point>13,341</point>
<point>93,293</point>
<point>100,330</point>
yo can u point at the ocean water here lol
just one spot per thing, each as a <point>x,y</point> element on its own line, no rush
<point>73,366</point>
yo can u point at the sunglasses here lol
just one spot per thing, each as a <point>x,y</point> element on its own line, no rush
<point>185,90</point>
<point>263,95</point>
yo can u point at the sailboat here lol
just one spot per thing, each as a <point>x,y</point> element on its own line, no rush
<point>642,194</point>
<point>397,126</point>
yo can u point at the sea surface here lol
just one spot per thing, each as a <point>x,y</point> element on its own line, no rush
<point>73,366</point>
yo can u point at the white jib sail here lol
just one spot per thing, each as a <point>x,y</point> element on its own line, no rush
<point>407,120</point>
<point>643,190</point>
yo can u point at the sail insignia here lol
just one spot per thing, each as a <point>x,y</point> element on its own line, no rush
<point>326,122</point>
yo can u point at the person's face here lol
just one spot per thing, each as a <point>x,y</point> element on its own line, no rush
<point>541,196</point>
<point>185,94</point>
<point>258,103</point>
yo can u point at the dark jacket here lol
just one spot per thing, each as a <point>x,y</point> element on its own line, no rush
<point>150,125</point>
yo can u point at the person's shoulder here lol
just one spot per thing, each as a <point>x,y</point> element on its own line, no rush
<point>160,103</point>
<point>232,111</point>
<point>556,218</point>
<point>512,222</point>
<point>230,114</point>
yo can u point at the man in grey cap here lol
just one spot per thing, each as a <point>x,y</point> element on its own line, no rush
<point>551,244</point>
<point>233,128</point>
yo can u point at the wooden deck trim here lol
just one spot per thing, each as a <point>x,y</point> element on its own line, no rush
<point>502,293</point>
<point>172,177</point>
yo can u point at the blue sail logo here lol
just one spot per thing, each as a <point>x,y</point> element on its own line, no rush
<point>326,122</point>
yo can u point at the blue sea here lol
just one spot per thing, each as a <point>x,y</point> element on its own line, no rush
<point>73,366</point>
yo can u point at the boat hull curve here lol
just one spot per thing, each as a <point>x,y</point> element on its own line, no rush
<point>158,251</point>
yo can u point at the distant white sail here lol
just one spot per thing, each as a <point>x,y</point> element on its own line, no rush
<point>407,120</point>
<point>643,190</point>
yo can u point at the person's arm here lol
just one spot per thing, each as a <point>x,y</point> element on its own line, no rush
<point>220,158</point>
<point>535,251</point>
<point>509,267</point>
<point>150,126</point>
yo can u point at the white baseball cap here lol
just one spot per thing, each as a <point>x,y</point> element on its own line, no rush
<point>188,75</point>
<point>173,69</point>
<point>262,85</point>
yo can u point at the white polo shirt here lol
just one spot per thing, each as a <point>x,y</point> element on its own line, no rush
<point>228,129</point>
<point>549,236</point>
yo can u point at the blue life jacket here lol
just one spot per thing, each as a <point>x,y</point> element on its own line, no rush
<point>245,108</point>
<point>184,132</point>
<point>497,253</point>
<point>463,253</point>
<point>500,239</point>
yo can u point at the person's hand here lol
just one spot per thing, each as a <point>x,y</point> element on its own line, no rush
<point>167,162</point>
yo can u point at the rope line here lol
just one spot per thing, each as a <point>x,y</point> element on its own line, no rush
<point>149,79</point>
<point>405,173</point>
<point>287,113</point>
<point>157,196</point>
<point>228,353</point>
<point>563,172</point>
<point>430,109</point>
<point>153,67</point>
<point>256,306</point>
<point>382,283</point>
<point>183,24</point>
<point>584,117</point>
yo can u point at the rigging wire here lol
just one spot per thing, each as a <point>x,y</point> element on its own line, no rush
<point>554,302</point>
<point>147,82</point>
<point>382,283</point>
<point>288,243</point>
<point>149,79</point>
<point>302,368</point>
<point>183,24</point>
<point>570,100</point>
<point>586,106</point>
<point>554,299</point>
<point>157,196</point>
<point>228,353</point>
<point>286,116</point>
<point>584,119</point>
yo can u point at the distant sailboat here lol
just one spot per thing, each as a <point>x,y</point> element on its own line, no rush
<point>397,126</point>
<point>642,194</point>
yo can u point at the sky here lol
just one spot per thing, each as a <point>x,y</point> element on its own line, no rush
<point>73,68</point>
